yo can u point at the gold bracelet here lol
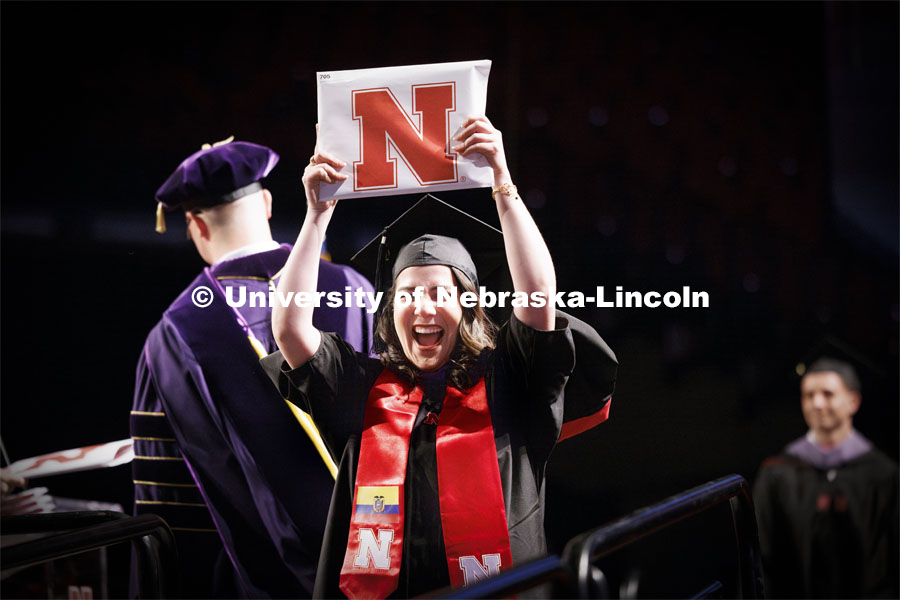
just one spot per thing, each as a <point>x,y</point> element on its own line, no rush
<point>507,188</point>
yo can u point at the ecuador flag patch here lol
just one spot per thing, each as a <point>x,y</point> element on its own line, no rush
<point>383,499</point>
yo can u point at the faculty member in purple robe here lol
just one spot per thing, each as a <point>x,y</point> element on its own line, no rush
<point>241,476</point>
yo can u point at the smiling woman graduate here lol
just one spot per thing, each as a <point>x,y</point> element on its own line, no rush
<point>443,443</point>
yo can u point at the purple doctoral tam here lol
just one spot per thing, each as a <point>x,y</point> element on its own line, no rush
<point>217,175</point>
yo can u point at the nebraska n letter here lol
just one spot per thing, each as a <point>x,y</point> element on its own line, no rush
<point>422,140</point>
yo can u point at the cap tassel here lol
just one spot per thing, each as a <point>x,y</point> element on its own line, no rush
<point>227,140</point>
<point>378,345</point>
<point>160,218</point>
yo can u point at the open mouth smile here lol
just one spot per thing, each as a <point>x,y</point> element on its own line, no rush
<point>427,336</point>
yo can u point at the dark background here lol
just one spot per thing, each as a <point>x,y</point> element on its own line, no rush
<point>747,150</point>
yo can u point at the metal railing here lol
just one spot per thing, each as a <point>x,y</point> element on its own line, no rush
<point>548,570</point>
<point>83,531</point>
<point>576,571</point>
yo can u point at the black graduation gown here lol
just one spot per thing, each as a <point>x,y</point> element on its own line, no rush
<point>524,377</point>
<point>829,536</point>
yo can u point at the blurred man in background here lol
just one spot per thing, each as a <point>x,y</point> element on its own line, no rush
<point>828,505</point>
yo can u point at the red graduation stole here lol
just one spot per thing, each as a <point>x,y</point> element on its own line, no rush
<point>473,516</point>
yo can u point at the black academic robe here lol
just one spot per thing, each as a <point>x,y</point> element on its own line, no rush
<point>525,377</point>
<point>829,533</point>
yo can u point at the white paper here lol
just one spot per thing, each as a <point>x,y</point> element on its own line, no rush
<point>367,118</point>
<point>31,501</point>
<point>100,456</point>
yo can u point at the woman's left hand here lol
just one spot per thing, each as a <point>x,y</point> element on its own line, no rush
<point>479,135</point>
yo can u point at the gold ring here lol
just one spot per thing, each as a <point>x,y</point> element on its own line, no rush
<point>312,159</point>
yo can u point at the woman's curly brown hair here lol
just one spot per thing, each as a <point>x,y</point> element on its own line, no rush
<point>477,333</point>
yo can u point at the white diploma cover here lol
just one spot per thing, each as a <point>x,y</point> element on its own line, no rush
<point>394,128</point>
<point>110,454</point>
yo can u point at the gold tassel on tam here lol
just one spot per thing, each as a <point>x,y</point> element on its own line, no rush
<point>227,140</point>
<point>160,218</point>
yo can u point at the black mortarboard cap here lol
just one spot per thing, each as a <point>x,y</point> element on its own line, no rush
<point>431,249</point>
<point>217,174</point>
<point>829,351</point>
<point>429,222</point>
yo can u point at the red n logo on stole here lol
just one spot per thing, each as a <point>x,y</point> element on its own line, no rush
<point>424,147</point>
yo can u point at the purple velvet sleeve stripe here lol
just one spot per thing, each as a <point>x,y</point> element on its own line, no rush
<point>161,472</point>
<point>151,426</point>
<point>189,495</point>
<point>156,447</point>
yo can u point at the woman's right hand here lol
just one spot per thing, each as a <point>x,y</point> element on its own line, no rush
<point>322,167</point>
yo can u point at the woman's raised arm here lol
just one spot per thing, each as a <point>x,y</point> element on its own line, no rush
<point>529,260</point>
<point>292,325</point>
